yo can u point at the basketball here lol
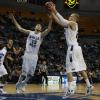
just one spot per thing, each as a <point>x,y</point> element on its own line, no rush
<point>48,4</point>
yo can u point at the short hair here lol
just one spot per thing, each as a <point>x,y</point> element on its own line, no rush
<point>76,16</point>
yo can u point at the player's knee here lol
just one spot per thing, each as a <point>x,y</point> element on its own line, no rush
<point>24,74</point>
<point>29,75</point>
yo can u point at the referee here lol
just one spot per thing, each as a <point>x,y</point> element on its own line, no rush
<point>44,71</point>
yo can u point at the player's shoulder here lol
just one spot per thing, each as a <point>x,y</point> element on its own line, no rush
<point>4,49</point>
<point>73,25</point>
<point>30,31</point>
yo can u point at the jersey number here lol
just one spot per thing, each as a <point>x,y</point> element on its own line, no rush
<point>33,43</point>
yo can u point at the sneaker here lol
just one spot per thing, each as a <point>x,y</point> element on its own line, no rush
<point>70,91</point>
<point>18,91</point>
<point>89,90</point>
<point>23,86</point>
<point>1,85</point>
<point>20,88</point>
<point>68,94</point>
<point>2,91</point>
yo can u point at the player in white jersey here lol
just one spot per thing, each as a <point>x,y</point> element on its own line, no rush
<point>74,59</point>
<point>30,57</point>
<point>3,71</point>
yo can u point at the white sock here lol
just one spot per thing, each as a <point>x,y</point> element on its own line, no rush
<point>87,82</point>
<point>1,89</point>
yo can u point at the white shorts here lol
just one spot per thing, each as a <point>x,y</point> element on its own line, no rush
<point>74,59</point>
<point>3,71</point>
<point>29,63</point>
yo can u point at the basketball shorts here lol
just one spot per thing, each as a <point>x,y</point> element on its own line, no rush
<point>74,59</point>
<point>3,71</point>
<point>29,64</point>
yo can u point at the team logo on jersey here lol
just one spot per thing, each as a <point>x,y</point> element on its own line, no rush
<point>71,3</point>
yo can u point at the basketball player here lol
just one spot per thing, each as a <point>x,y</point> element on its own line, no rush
<point>74,59</point>
<point>3,71</point>
<point>30,57</point>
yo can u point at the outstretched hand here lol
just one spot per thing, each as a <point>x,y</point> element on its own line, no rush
<point>11,16</point>
<point>51,7</point>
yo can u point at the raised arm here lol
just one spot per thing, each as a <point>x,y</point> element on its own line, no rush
<point>58,18</point>
<point>55,18</point>
<point>18,26</point>
<point>46,31</point>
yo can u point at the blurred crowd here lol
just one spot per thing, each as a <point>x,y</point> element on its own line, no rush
<point>52,50</point>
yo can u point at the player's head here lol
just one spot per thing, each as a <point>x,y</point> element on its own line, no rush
<point>38,28</point>
<point>10,42</point>
<point>74,17</point>
<point>44,62</point>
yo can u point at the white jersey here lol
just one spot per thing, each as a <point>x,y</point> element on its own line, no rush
<point>74,58</point>
<point>33,43</point>
<point>2,55</point>
<point>71,36</point>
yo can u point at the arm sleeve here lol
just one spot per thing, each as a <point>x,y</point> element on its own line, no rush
<point>63,21</point>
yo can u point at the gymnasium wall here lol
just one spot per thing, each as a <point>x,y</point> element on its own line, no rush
<point>89,11</point>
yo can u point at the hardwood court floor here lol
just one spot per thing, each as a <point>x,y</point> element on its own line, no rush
<point>37,88</point>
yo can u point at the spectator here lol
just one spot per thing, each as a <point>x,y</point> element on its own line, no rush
<point>9,57</point>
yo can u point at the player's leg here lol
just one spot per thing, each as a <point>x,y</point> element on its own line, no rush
<point>23,75</point>
<point>31,65</point>
<point>1,86</point>
<point>22,85</point>
<point>71,86</point>
<point>19,83</point>
<point>21,79</point>
<point>83,70</point>
<point>70,80</point>
<point>25,81</point>
<point>89,86</point>
<point>2,73</point>
<point>69,63</point>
